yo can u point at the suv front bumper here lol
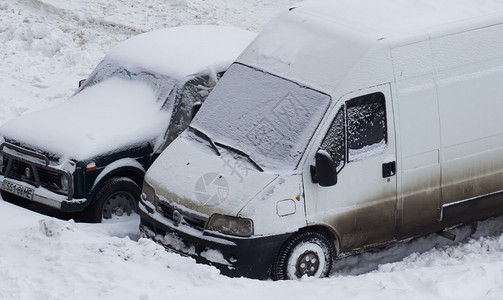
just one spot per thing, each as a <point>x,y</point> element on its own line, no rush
<point>39,175</point>
<point>46,197</point>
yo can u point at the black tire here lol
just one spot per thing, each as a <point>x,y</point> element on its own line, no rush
<point>117,196</point>
<point>306,253</point>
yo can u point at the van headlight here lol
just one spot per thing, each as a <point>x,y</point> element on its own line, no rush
<point>148,192</point>
<point>230,225</point>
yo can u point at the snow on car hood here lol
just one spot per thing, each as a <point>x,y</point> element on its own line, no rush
<point>191,175</point>
<point>109,116</point>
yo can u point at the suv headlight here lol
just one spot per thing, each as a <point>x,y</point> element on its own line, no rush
<point>64,182</point>
<point>148,192</point>
<point>230,225</point>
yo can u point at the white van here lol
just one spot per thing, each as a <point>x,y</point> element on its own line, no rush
<point>343,126</point>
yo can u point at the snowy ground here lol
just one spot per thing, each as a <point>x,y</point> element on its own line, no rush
<point>45,48</point>
<point>46,258</point>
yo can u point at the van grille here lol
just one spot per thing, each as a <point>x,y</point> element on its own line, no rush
<point>167,211</point>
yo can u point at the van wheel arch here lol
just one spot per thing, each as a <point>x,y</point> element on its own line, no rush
<point>329,232</point>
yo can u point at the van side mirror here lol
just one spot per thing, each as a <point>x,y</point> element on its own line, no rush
<point>326,171</point>
<point>195,109</point>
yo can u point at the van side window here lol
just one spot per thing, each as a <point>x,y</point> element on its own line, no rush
<point>366,126</point>
<point>361,123</point>
<point>335,140</point>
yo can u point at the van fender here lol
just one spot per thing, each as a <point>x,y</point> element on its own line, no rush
<point>124,167</point>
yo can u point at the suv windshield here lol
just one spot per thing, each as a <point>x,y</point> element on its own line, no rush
<point>268,118</point>
<point>161,84</point>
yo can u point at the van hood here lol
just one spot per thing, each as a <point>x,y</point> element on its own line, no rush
<point>194,178</point>
<point>112,115</point>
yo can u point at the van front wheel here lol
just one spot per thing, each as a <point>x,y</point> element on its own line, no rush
<point>308,253</point>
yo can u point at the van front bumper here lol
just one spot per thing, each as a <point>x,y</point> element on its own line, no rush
<point>234,256</point>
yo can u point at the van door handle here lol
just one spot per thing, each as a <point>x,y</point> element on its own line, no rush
<point>388,169</point>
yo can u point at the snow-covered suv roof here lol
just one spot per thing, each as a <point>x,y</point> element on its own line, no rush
<point>119,112</point>
<point>204,46</point>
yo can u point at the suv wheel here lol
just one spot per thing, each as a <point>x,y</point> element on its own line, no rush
<point>115,198</point>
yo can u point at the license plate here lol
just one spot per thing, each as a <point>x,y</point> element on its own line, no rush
<point>17,189</point>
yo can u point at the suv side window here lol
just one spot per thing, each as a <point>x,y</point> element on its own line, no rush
<point>193,93</point>
<point>361,124</point>
<point>198,88</point>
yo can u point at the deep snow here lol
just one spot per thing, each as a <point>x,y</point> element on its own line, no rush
<point>46,258</point>
<point>45,48</point>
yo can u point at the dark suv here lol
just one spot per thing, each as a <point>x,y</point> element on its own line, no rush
<point>89,154</point>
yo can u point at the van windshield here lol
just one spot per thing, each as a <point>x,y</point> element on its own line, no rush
<point>267,118</point>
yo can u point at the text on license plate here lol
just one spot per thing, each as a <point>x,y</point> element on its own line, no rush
<point>17,189</point>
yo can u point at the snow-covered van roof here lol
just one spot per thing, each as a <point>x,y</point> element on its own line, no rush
<point>203,46</point>
<point>391,18</point>
<point>319,42</point>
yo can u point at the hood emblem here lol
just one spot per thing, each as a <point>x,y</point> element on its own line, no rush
<point>177,218</point>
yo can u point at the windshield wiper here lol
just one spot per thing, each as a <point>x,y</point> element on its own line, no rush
<point>242,153</point>
<point>204,136</point>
